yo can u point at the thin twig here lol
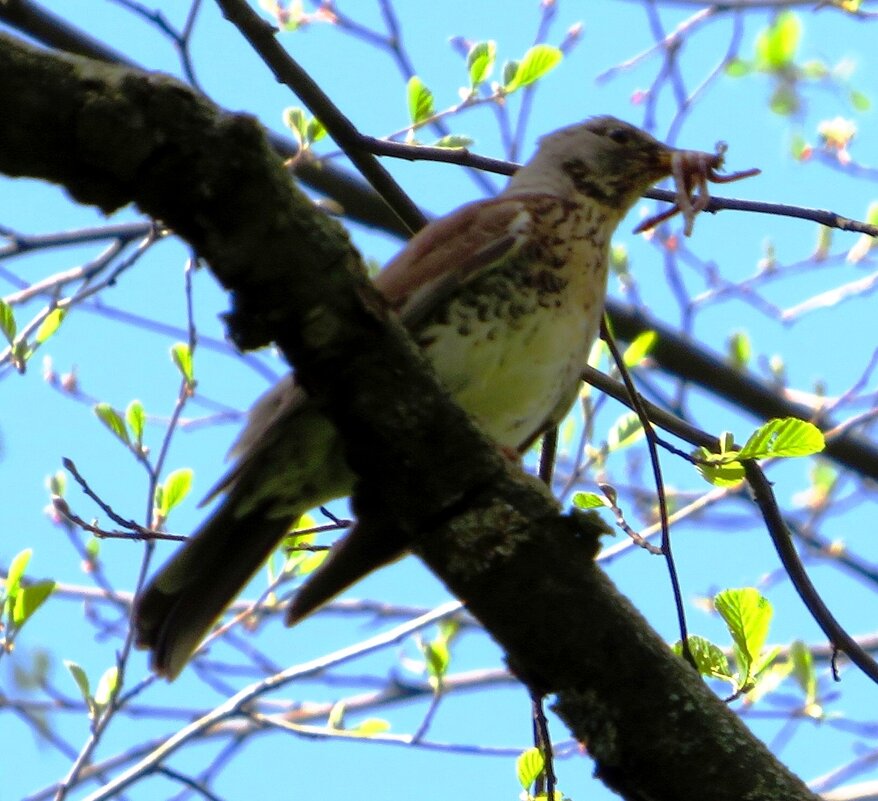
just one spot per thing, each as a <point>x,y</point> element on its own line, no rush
<point>261,37</point>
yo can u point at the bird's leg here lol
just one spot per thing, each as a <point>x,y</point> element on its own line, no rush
<point>692,170</point>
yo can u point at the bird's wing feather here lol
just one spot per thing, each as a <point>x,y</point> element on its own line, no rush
<point>450,252</point>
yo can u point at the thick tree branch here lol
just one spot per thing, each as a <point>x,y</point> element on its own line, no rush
<point>112,136</point>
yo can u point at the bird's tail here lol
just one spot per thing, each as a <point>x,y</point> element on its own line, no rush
<point>189,594</point>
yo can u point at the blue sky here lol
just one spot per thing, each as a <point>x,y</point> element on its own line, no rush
<point>117,361</point>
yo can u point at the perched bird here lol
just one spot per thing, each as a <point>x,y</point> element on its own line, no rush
<point>504,296</point>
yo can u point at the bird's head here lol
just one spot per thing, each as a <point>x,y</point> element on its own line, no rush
<point>603,159</point>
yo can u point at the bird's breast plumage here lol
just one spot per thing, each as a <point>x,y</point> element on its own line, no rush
<point>511,342</point>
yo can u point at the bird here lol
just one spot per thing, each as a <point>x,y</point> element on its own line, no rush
<point>504,296</point>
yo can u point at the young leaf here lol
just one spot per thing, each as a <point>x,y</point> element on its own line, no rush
<point>294,118</point>
<point>106,687</point>
<point>737,68</point>
<point>529,766</point>
<point>625,431</point>
<point>786,436</point>
<point>49,325</point>
<point>739,350</point>
<point>588,500</point>
<point>452,141</point>
<point>420,100</point>
<point>537,62</point>
<point>174,489</point>
<point>747,615</point>
<point>335,720</point>
<point>135,416</point>
<point>315,130</point>
<point>721,474</point>
<point>57,483</point>
<point>776,45</point>
<point>510,70</point>
<point>638,350</point>
<point>29,599</point>
<point>16,571</point>
<point>437,657</point>
<point>7,321</point>
<point>182,357</point>
<point>371,726</point>
<point>709,658</point>
<point>81,680</point>
<point>803,670</point>
<point>113,421</point>
<point>480,62</point>
<point>860,101</point>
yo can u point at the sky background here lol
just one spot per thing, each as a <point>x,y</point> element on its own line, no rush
<point>117,361</point>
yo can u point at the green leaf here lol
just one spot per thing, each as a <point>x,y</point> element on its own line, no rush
<point>106,688</point>
<point>49,325</point>
<point>815,69</point>
<point>437,657</point>
<point>787,436</point>
<point>722,474</point>
<point>799,147</point>
<point>588,500</point>
<point>776,46</point>
<point>113,421</point>
<point>135,416</point>
<point>21,352</point>
<point>747,615</point>
<point>537,62</point>
<point>639,348</point>
<point>625,431</point>
<point>739,350</point>
<point>860,101</point>
<point>335,719</point>
<point>82,683</point>
<point>175,488</point>
<point>93,548</point>
<point>7,321</point>
<point>420,100</point>
<point>803,670</point>
<point>709,658</point>
<point>480,62</point>
<point>371,726</point>
<point>16,571</point>
<point>510,70</point>
<point>738,68</point>
<point>295,119</point>
<point>452,141</point>
<point>764,666</point>
<point>449,629</point>
<point>529,765</point>
<point>315,131</point>
<point>29,599</point>
<point>182,357</point>
<point>57,483</point>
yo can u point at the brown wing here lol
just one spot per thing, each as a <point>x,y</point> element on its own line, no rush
<point>450,251</point>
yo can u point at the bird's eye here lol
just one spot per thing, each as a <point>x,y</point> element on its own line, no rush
<point>619,136</point>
